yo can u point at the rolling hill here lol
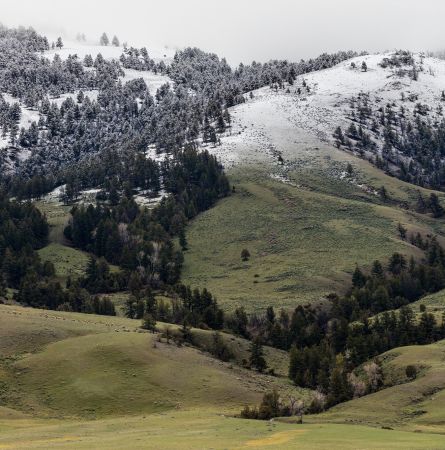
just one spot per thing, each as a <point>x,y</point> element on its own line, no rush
<point>79,381</point>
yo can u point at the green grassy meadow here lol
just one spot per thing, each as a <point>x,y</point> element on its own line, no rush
<point>303,241</point>
<point>204,429</point>
<point>70,380</point>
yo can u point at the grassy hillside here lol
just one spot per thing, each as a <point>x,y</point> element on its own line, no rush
<point>434,303</point>
<point>304,238</point>
<point>70,380</point>
<point>414,405</point>
<point>67,260</point>
<point>60,370</point>
<point>69,364</point>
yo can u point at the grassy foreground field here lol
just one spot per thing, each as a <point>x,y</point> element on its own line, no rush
<point>304,238</point>
<point>57,364</point>
<point>80,381</point>
<point>203,429</point>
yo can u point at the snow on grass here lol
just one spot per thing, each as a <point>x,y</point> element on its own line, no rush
<point>325,107</point>
<point>27,116</point>
<point>154,155</point>
<point>144,198</point>
<point>153,80</point>
<point>54,195</point>
<point>81,49</point>
<point>91,94</point>
<point>294,124</point>
<point>262,130</point>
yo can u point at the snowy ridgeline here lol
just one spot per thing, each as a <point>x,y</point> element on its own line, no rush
<point>289,122</point>
<point>293,120</point>
<point>154,81</point>
<point>108,52</point>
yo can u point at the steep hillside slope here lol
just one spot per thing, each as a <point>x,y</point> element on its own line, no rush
<point>304,241</point>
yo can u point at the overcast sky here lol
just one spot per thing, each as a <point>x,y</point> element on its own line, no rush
<point>243,30</point>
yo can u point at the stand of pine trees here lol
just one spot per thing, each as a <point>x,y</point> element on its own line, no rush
<point>126,118</point>
<point>330,341</point>
<point>23,230</point>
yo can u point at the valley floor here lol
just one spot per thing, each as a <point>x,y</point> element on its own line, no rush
<point>203,429</point>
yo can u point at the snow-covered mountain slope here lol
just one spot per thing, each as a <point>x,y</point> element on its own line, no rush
<point>153,80</point>
<point>291,121</point>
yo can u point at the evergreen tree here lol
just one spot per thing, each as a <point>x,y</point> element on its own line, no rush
<point>183,240</point>
<point>104,41</point>
<point>149,323</point>
<point>339,137</point>
<point>256,358</point>
<point>435,206</point>
<point>358,279</point>
<point>421,205</point>
<point>339,390</point>
<point>245,255</point>
<point>377,269</point>
<point>383,193</point>
<point>402,231</point>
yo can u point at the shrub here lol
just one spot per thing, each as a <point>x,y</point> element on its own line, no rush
<point>411,372</point>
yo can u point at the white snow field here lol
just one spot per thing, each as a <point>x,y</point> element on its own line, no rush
<point>81,49</point>
<point>294,126</point>
<point>153,81</point>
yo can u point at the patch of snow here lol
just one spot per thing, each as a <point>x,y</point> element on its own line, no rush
<point>54,195</point>
<point>154,155</point>
<point>27,115</point>
<point>82,49</point>
<point>153,80</point>
<point>91,94</point>
<point>150,202</point>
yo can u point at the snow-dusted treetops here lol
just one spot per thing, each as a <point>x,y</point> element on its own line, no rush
<point>63,112</point>
<point>400,126</point>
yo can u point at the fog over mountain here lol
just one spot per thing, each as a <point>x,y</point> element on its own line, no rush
<point>243,30</point>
